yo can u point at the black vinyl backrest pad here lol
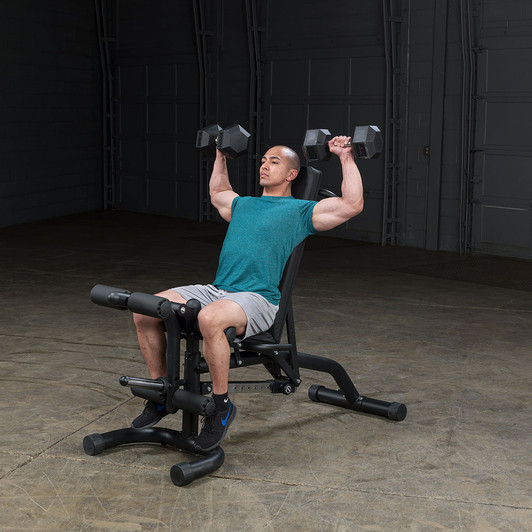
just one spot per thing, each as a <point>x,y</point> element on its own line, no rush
<point>305,186</point>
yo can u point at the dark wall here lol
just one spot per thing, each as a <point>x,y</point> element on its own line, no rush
<point>501,193</point>
<point>478,197</point>
<point>157,90</point>
<point>50,112</point>
<point>432,120</point>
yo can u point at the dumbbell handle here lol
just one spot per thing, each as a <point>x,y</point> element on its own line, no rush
<point>344,145</point>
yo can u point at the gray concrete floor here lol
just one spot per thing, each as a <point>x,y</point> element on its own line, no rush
<point>402,322</point>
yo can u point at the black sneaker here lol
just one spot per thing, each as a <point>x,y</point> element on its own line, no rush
<point>215,428</point>
<point>153,413</point>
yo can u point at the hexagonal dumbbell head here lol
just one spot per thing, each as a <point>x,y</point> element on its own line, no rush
<point>206,139</point>
<point>367,142</point>
<point>316,145</point>
<point>233,141</point>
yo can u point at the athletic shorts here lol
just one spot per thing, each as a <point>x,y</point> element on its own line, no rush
<point>260,313</point>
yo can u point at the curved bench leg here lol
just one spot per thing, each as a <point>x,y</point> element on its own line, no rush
<point>181,474</point>
<point>347,396</point>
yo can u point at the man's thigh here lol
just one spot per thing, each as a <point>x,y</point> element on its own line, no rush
<point>172,295</point>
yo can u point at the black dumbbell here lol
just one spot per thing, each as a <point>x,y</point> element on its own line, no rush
<point>366,141</point>
<point>232,141</point>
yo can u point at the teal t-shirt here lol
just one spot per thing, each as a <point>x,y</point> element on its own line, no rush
<point>260,238</point>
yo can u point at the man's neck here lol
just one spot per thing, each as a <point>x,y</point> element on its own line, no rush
<point>277,191</point>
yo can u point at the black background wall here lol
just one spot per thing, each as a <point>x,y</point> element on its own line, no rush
<point>157,88</point>
<point>50,110</point>
<point>457,172</point>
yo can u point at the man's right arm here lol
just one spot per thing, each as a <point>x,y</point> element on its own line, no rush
<point>220,189</point>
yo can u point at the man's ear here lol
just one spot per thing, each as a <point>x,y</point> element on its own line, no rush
<point>292,175</point>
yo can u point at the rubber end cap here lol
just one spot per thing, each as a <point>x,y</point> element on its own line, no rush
<point>93,444</point>
<point>397,411</point>
<point>313,392</point>
<point>182,474</point>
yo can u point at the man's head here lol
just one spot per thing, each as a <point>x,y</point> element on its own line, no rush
<point>280,166</point>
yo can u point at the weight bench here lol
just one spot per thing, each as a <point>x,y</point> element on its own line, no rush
<point>187,392</point>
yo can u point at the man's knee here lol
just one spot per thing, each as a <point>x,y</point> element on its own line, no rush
<point>210,321</point>
<point>213,319</point>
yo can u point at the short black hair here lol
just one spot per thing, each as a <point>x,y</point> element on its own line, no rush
<point>293,158</point>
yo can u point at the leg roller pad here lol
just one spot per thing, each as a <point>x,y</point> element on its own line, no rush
<point>93,444</point>
<point>193,402</point>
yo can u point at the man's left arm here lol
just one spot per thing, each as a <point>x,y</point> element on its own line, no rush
<point>332,212</point>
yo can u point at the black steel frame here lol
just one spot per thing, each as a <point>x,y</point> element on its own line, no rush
<point>282,360</point>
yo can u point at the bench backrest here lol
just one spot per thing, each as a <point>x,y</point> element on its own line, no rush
<point>305,186</point>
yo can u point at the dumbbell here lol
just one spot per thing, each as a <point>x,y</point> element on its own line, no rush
<point>232,141</point>
<point>366,141</point>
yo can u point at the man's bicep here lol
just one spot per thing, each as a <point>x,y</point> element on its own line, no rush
<point>222,201</point>
<point>330,213</point>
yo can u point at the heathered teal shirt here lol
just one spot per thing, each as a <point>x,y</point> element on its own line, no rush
<point>261,236</point>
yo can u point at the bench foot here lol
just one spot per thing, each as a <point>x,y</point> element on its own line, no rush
<point>394,411</point>
<point>181,474</point>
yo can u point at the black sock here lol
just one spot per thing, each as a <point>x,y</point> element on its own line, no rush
<point>221,402</point>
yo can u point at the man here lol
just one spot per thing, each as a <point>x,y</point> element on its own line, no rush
<point>261,235</point>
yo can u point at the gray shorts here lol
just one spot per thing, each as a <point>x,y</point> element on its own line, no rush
<point>260,313</point>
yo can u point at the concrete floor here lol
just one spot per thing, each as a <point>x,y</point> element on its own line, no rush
<point>457,353</point>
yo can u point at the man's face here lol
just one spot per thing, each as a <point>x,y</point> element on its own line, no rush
<point>275,168</point>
